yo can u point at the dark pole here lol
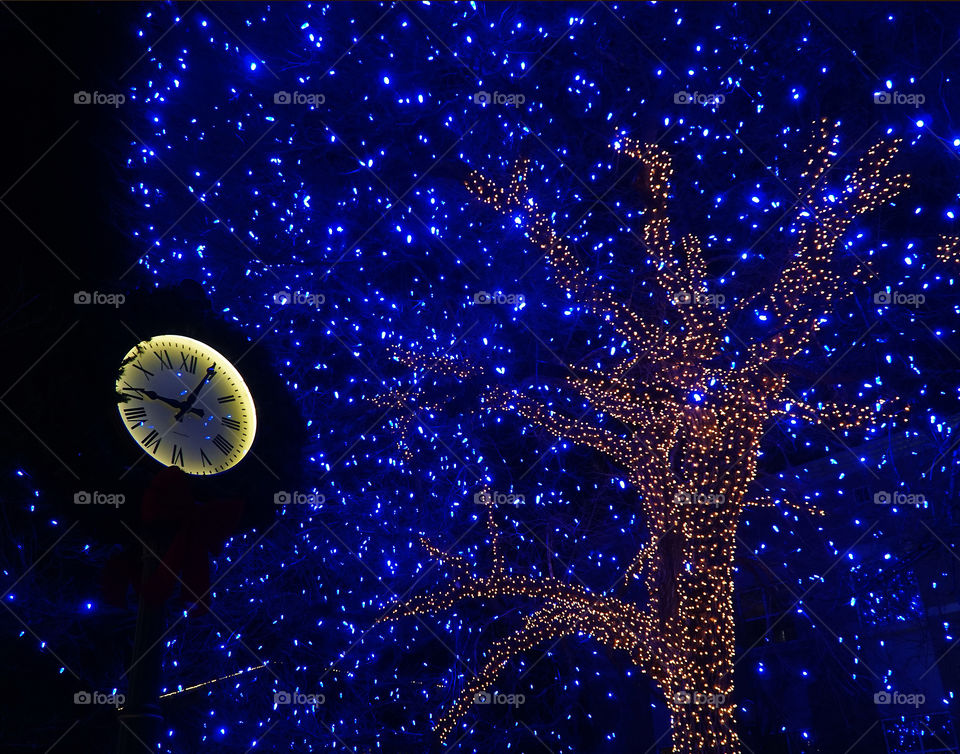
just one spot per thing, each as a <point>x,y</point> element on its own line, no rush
<point>140,718</point>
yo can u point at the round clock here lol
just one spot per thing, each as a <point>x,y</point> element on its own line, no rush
<point>185,405</point>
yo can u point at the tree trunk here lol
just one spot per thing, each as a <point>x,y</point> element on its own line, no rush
<point>691,593</point>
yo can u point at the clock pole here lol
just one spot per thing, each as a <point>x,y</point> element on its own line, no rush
<point>178,534</point>
<point>163,510</point>
<point>140,719</point>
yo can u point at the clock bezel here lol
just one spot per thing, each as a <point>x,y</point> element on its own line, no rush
<point>227,370</point>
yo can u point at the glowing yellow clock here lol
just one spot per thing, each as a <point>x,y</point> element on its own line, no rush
<point>185,405</point>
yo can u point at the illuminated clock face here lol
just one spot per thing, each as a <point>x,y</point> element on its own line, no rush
<point>185,405</point>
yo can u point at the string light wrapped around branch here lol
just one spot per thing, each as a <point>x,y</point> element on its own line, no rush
<point>686,431</point>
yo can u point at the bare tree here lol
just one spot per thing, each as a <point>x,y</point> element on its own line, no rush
<point>690,402</point>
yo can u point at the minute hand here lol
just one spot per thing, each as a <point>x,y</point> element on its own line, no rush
<point>191,399</point>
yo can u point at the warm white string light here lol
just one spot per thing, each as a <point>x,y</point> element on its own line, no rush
<point>692,440</point>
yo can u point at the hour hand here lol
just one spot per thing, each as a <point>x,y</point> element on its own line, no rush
<point>169,401</point>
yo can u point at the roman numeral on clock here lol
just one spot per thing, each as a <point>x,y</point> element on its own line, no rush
<point>135,414</point>
<point>223,445</point>
<point>164,358</point>
<point>147,372</point>
<point>134,393</point>
<point>226,399</point>
<point>153,439</point>
<point>204,461</point>
<point>176,457</point>
<point>230,423</point>
<point>188,363</point>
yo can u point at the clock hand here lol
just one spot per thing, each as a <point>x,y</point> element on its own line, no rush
<point>196,392</point>
<point>175,403</point>
<point>170,401</point>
